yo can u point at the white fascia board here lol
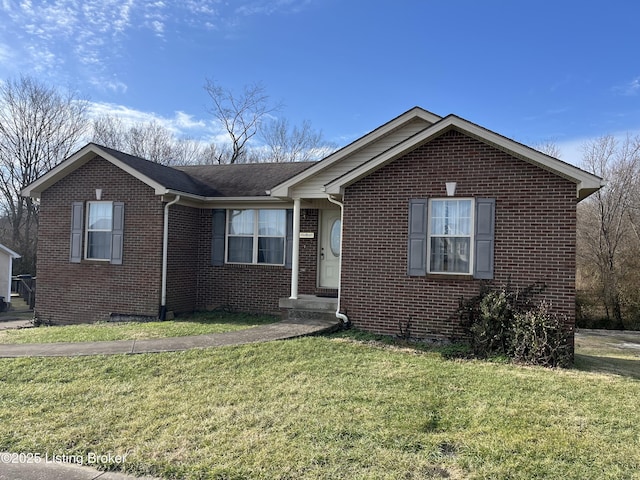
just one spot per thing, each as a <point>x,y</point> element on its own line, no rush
<point>58,172</point>
<point>586,182</point>
<point>78,159</point>
<point>283,190</point>
<point>9,252</point>
<point>196,201</point>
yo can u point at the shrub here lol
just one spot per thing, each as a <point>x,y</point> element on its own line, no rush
<point>538,337</point>
<point>506,321</point>
<point>489,330</point>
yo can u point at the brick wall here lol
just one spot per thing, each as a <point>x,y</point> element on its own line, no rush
<point>307,276</point>
<point>253,288</point>
<point>534,235</point>
<point>91,290</point>
<point>182,261</point>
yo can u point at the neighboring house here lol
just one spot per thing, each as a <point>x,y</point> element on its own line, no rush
<point>6,268</point>
<point>400,224</point>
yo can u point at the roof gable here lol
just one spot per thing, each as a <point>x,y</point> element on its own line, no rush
<point>586,183</point>
<point>416,116</point>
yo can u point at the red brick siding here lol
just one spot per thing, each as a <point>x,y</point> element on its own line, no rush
<point>534,235</point>
<point>182,261</point>
<point>307,277</point>
<point>91,291</point>
<point>253,288</point>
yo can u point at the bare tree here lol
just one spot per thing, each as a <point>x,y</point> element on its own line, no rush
<point>608,240</point>
<point>152,141</point>
<point>149,140</point>
<point>110,131</point>
<point>297,144</point>
<point>39,127</point>
<point>549,147</point>
<point>240,115</point>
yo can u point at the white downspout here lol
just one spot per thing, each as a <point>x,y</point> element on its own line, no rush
<point>162,315</point>
<point>339,315</point>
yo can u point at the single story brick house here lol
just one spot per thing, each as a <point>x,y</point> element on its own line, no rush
<point>396,227</point>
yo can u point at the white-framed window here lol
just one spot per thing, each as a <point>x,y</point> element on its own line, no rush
<point>450,236</point>
<point>99,230</point>
<point>256,236</point>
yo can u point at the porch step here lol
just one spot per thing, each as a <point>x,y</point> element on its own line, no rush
<point>309,308</point>
<point>311,303</point>
<point>18,303</point>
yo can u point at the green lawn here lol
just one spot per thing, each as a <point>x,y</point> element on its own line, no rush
<point>195,324</point>
<point>323,408</point>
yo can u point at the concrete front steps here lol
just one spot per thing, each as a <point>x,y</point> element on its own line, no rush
<point>310,308</point>
<point>18,304</point>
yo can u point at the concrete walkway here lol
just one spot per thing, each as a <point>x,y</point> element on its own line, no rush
<point>263,333</point>
<point>11,468</point>
<point>46,469</point>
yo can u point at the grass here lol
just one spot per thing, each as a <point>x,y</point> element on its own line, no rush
<point>323,408</point>
<point>195,324</point>
<point>609,352</point>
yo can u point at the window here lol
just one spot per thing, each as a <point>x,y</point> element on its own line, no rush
<point>450,236</point>
<point>256,236</point>
<point>99,228</point>
<point>102,236</point>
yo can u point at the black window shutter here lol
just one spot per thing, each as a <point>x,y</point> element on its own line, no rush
<point>288,250</point>
<point>77,218</point>
<point>117,233</point>
<point>484,240</point>
<point>417,247</point>
<point>219,220</point>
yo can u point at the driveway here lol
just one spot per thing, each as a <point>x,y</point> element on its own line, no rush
<point>608,351</point>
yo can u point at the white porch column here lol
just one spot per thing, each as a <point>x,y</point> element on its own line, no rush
<point>295,253</point>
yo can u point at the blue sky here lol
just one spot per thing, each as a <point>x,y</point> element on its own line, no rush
<point>534,71</point>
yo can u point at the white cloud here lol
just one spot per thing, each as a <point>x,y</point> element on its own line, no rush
<point>181,124</point>
<point>86,41</point>
<point>631,88</point>
<point>186,121</point>
<point>5,53</point>
<point>268,7</point>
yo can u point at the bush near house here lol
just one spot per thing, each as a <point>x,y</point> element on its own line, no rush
<point>503,321</point>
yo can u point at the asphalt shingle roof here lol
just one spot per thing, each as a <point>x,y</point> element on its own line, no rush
<point>237,180</point>
<point>244,179</point>
<point>169,177</point>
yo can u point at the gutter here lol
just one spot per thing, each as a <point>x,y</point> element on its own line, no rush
<point>162,314</point>
<point>341,316</point>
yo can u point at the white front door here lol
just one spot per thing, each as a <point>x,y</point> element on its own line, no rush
<point>329,261</point>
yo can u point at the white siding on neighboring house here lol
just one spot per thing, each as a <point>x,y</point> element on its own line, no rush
<point>6,264</point>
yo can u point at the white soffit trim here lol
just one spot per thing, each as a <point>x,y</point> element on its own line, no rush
<point>585,181</point>
<point>283,190</point>
<point>77,160</point>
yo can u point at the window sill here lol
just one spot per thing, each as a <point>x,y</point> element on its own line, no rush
<point>85,261</point>
<point>244,265</point>
<point>449,276</point>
